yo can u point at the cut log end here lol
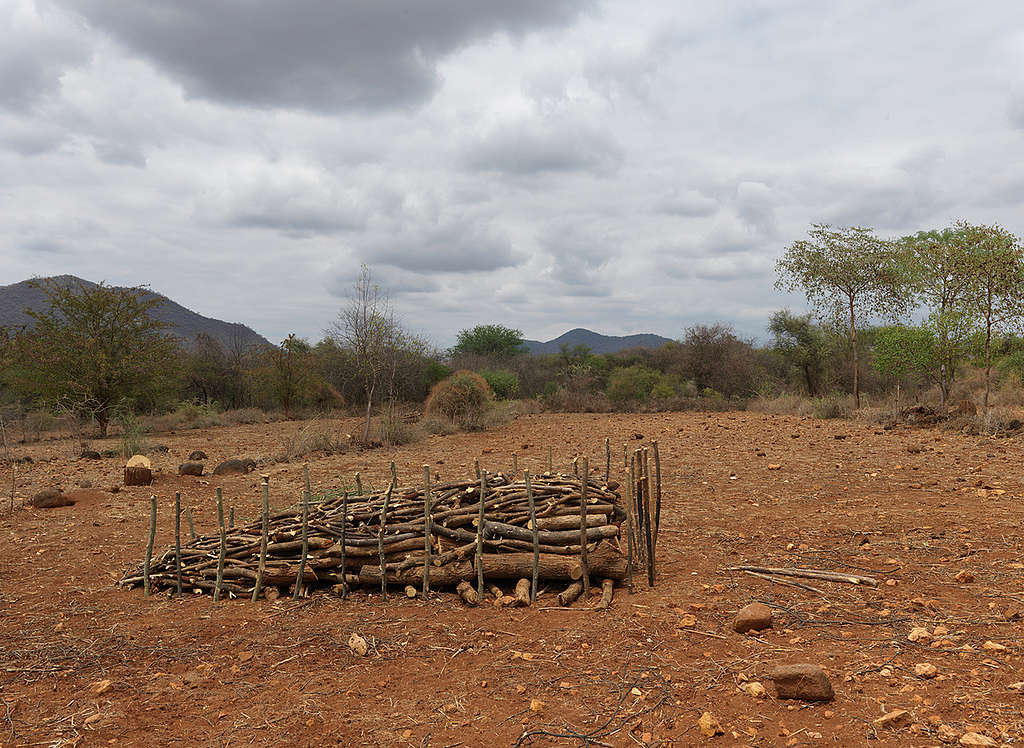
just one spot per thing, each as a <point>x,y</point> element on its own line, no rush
<point>468,594</point>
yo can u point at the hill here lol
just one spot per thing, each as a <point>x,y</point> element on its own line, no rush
<point>596,342</point>
<point>184,323</point>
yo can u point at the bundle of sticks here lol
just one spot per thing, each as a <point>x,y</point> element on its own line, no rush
<point>442,535</point>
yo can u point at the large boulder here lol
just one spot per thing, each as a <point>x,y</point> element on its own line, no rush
<point>235,467</point>
<point>50,498</point>
<point>802,681</point>
<point>190,468</point>
<point>753,617</point>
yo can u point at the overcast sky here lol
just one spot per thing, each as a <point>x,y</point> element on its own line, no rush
<point>626,166</point>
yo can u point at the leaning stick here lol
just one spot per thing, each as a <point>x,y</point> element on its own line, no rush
<point>426,531</point>
<point>480,538</point>
<point>515,464</point>
<point>645,494</point>
<point>549,458</point>
<point>191,524</point>
<point>149,545</point>
<point>583,526</point>
<point>380,540</point>
<point>657,491</point>
<point>607,460</point>
<point>536,536</point>
<point>264,530</point>
<point>177,541</point>
<point>223,545</point>
<point>231,518</point>
<point>629,546</point>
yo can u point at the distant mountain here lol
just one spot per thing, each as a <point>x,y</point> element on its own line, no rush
<point>596,342</point>
<point>184,323</point>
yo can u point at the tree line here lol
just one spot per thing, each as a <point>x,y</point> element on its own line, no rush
<point>905,314</point>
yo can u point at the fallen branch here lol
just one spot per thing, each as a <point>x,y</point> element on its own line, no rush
<point>827,576</point>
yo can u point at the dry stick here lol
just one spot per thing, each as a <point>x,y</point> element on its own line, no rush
<point>359,485</point>
<point>149,545</point>
<point>191,524</point>
<point>427,530</point>
<point>629,546</point>
<point>607,460</point>
<point>264,531</point>
<point>787,582</point>
<point>380,540</point>
<point>177,540</point>
<point>584,565</point>
<point>223,545</point>
<point>480,538</point>
<point>657,492</point>
<point>344,522</point>
<point>231,518</point>
<point>14,483</point>
<point>827,576</point>
<point>536,536</point>
<point>305,535</point>
<point>476,464</point>
<point>648,530</point>
<point>549,458</point>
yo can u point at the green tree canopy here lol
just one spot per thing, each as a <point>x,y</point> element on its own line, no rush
<point>801,343</point>
<point>847,272</point>
<point>93,350</point>
<point>489,340</point>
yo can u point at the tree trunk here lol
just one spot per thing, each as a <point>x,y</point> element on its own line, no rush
<point>856,360</point>
<point>369,405</point>
<point>988,360</point>
<point>810,381</point>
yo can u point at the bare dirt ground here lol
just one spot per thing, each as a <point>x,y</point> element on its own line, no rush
<point>84,662</point>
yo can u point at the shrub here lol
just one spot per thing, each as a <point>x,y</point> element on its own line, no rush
<point>830,406</point>
<point>464,398</point>
<point>133,435</point>
<point>394,429</point>
<point>316,435</point>
<point>638,382</point>
<point>504,384</point>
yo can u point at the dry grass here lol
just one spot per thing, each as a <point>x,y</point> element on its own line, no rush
<point>316,436</point>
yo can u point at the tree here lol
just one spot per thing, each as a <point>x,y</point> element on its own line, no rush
<point>366,328</point>
<point>997,295</point>
<point>489,340</point>
<point>846,272</point>
<point>290,375</point>
<point>93,350</point>
<point>801,343</point>
<point>899,351</point>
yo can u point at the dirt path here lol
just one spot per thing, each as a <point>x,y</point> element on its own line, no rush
<point>84,662</point>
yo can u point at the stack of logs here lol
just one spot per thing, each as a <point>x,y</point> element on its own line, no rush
<point>439,535</point>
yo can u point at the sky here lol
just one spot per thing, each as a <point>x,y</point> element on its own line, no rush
<point>626,166</point>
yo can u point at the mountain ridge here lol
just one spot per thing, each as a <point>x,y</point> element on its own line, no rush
<point>184,323</point>
<point>597,342</point>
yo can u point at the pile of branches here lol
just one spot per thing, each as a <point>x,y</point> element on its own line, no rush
<point>381,538</point>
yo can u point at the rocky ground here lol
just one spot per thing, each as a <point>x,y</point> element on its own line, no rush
<point>930,656</point>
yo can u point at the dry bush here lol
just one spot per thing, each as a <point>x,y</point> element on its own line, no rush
<point>396,428</point>
<point>566,400</point>
<point>316,435</point>
<point>245,416</point>
<point>782,405</point>
<point>464,398</point>
<point>190,414</point>
<point>439,425</point>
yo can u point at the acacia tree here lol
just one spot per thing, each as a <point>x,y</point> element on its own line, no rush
<point>997,265</point>
<point>489,340</point>
<point>801,343</point>
<point>846,272</point>
<point>92,349</point>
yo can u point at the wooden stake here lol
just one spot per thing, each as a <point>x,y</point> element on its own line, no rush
<point>549,459</point>
<point>515,464</point>
<point>380,541</point>
<point>191,524</point>
<point>536,536</point>
<point>223,545</point>
<point>607,460</point>
<point>264,530</point>
<point>629,546</point>
<point>476,464</point>
<point>149,545</point>
<point>480,538</point>
<point>359,485</point>
<point>583,527</point>
<point>231,518</point>
<point>645,493</point>
<point>305,540</point>
<point>344,523</point>
<point>427,530</point>
<point>177,541</point>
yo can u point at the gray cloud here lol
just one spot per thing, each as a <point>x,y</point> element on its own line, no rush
<point>314,55</point>
<point>538,147</point>
<point>456,245</point>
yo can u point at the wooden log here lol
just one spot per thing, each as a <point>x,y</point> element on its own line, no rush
<point>410,591</point>
<point>584,532</point>
<point>827,576</point>
<point>568,596</point>
<point>149,545</point>
<point>570,521</point>
<point>495,590</point>
<point>607,590</point>
<point>549,537</point>
<point>382,528</point>
<point>138,471</point>
<point>468,594</point>
<point>522,593</point>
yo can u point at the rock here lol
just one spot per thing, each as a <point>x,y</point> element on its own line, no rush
<point>358,644</point>
<point>947,734</point>
<point>992,646</point>
<point>754,688</point>
<point>190,468</point>
<point>89,454</point>
<point>100,687</point>
<point>964,577</point>
<point>536,705</point>
<point>976,739</point>
<point>709,726</point>
<point>50,498</point>
<point>235,467</point>
<point>894,720</point>
<point>919,634</point>
<point>198,454</point>
<point>802,681</point>
<point>940,631</point>
<point>753,617</point>
<point>85,483</point>
<point>925,670</point>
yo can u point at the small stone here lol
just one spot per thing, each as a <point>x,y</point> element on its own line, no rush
<point>358,644</point>
<point>774,466</point>
<point>926,670</point>
<point>992,646</point>
<point>919,634</point>
<point>941,631</point>
<point>964,577</point>
<point>753,617</point>
<point>894,720</point>
<point>198,454</point>
<point>947,734</point>
<point>100,686</point>
<point>86,483</point>
<point>709,726</point>
<point>975,739</point>
<point>536,705</point>
<point>802,681</point>
<point>755,689</point>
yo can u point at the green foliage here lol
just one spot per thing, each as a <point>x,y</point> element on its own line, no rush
<point>504,384</point>
<point>637,382</point>
<point>94,348</point>
<point>801,344</point>
<point>900,351</point>
<point>287,377</point>
<point>133,435</point>
<point>463,398</point>
<point>489,340</point>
